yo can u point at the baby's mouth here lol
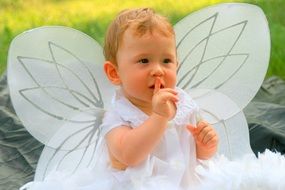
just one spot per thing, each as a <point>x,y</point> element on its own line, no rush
<point>153,86</point>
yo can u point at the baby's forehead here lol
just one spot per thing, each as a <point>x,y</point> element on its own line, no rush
<point>134,37</point>
<point>139,33</point>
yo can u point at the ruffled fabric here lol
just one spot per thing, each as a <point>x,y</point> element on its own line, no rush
<point>187,109</point>
<point>267,172</point>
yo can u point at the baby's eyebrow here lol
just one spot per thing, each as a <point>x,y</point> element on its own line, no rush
<point>141,55</point>
<point>169,55</point>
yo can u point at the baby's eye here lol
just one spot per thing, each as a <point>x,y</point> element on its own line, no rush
<point>166,61</point>
<point>143,61</point>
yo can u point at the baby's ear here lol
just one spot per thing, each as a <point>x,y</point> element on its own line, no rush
<point>112,73</point>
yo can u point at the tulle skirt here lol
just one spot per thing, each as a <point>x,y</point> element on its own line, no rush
<point>267,172</point>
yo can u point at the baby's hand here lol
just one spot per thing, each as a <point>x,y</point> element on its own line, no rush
<point>206,139</point>
<point>163,101</point>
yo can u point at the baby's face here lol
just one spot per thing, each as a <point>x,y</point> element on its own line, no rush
<point>141,59</point>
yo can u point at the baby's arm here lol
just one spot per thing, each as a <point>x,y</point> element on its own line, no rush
<point>206,139</point>
<point>130,146</point>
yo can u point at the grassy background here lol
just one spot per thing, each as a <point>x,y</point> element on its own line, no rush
<point>93,17</point>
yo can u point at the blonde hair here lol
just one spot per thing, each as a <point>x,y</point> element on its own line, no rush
<point>141,20</point>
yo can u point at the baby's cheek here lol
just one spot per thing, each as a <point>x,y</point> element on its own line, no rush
<point>172,79</point>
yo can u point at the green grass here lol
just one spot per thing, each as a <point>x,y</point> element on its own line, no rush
<point>274,10</point>
<point>93,17</point>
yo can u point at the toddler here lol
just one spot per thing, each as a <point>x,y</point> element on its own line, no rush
<point>151,134</point>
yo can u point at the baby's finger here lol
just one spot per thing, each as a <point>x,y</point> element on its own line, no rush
<point>202,132</point>
<point>157,85</point>
<point>192,129</point>
<point>168,90</point>
<point>213,141</point>
<point>201,124</point>
<point>169,97</point>
<point>209,137</point>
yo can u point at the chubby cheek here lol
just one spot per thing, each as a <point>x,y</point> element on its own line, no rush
<point>171,79</point>
<point>133,82</point>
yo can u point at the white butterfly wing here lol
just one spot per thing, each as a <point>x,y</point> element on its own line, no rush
<point>224,47</point>
<point>56,82</point>
<point>69,161</point>
<point>224,52</point>
<point>59,92</point>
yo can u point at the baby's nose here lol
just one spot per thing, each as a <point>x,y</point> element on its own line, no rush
<point>157,70</point>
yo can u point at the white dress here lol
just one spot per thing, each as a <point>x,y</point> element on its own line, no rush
<point>170,166</point>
